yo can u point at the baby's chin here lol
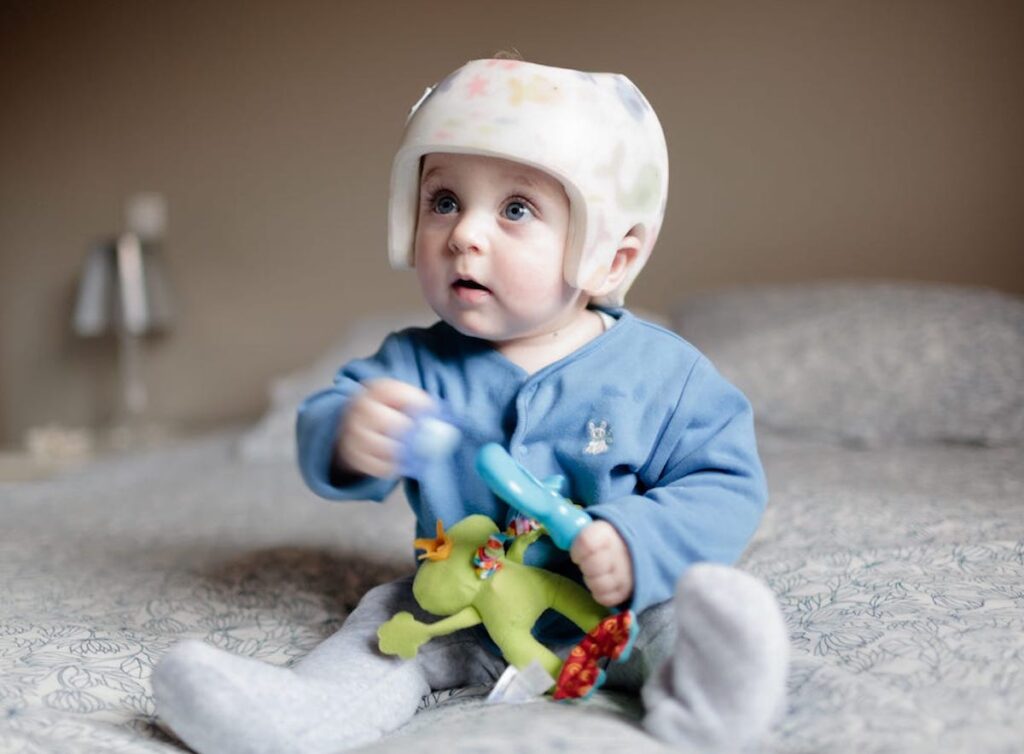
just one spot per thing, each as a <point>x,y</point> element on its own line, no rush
<point>472,325</point>
<point>491,334</point>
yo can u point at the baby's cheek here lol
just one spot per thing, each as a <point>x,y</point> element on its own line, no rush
<point>533,280</point>
<point>429,270</point>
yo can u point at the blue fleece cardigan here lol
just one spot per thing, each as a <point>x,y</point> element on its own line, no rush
<point>648,435</point>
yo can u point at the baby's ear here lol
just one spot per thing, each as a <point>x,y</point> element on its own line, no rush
<point>604,280</point>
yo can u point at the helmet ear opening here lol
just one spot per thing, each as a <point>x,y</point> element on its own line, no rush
<point>622,267</point>
<point>639,232</point>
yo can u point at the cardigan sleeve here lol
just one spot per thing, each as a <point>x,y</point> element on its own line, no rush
<point>318,417</point>
<point>705,489</point>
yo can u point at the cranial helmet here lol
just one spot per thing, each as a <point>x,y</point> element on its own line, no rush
<point>594,132</point>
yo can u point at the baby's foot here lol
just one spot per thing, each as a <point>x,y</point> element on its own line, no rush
<point>219,703</point>
<point>725,684</point>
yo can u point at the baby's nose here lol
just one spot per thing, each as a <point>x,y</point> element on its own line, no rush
<point>469,235</point>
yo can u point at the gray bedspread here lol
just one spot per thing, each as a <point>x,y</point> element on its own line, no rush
<point>900,572</point>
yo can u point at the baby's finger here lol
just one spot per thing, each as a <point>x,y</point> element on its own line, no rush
<point>363,463</point>
<point>596,565</point>
<point>585,546</point>
<point>371,443</point>
<point>382,419</point>
<point>399,395</point>
<point>604,584</point>
<point>612,597</point>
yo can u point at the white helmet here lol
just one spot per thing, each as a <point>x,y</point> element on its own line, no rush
<point>594,132</point>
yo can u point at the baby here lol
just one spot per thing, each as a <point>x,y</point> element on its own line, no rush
<point>527,199</point>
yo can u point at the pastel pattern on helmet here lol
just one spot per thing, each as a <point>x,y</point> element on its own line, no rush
<point>631,97</point>
<point>537,89</point>
<point>594,132</point>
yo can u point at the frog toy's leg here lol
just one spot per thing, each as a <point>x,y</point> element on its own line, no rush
<point>515,598</point>
<point>608,635</point>
<point>520,649</point>
<point>575,602</point>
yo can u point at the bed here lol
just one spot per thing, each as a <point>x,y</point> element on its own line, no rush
<point>891,419</point>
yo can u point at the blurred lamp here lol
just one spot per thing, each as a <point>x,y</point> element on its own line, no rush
<point>123,291</point>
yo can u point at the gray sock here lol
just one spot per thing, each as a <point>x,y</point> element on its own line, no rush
<point>219,703</point>
<point>343,694</point>
<point>725,684</point>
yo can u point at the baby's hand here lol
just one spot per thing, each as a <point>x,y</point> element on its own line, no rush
<point>603,558</point>
<point>371,425</point>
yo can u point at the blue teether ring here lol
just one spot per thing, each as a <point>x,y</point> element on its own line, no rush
<point>507,479</point>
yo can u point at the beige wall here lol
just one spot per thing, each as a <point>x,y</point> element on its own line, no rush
<point>808,139</point>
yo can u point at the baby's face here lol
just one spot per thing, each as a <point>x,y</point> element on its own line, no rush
<point>490,242</point>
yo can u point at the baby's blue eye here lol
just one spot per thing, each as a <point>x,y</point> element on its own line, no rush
<point>445,205</point>
<point>516,210</point>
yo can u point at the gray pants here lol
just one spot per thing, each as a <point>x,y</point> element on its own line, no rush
<point>710,669</point>
<point>458,659</point>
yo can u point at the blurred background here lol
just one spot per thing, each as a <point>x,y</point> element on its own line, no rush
<point>808,140</point>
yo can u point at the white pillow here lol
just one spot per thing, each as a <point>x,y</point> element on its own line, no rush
<point>870,363</point>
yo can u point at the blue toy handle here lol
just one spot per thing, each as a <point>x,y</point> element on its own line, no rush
<point>507,479</point>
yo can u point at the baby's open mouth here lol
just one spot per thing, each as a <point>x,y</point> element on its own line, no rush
<point>470,292</point>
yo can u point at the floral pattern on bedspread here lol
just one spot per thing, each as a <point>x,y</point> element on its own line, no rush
<point>78,640</point>
<point>905,649</point>
<point>901,576</point>
<point>101,573</point>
